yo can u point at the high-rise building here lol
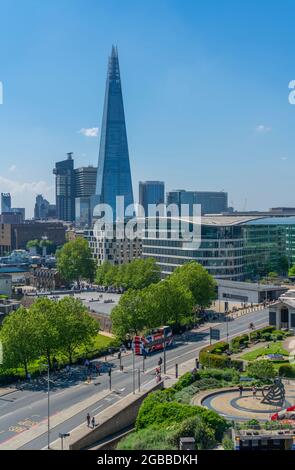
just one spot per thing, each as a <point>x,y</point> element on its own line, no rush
<point>151,192</point>
<point>85,184</point>
<point>65,189</point>
<point>85,181</point>
<point>113,173</point>
<point>41,208</point>
<point>5,202</point>
<point>212,202</point>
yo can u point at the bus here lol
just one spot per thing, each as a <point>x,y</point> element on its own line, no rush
<point>153,341</point>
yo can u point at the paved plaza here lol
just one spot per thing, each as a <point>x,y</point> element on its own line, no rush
<point>231,405</point>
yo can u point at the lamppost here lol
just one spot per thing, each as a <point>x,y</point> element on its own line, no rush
<point>133,368</point>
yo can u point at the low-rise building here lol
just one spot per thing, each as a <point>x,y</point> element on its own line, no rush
<point>46,278</point>
<point>5,284</point>
<point>282,312</point>
<point>7,306</point>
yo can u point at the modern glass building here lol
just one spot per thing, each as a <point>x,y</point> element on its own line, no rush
<point>212,202</point>
<point>151,192</point>
<point>5,202</point>
<point>65,189</point>
<point>113,173</point>
<point>232,247</point>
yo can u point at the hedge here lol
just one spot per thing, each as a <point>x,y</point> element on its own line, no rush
<point>239,340</point>
<point>208,358</point>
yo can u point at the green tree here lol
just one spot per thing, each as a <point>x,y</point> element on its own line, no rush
<point>168,303</point>
<point>33,244</point>
<point>291,272</point>
<point>75,326</point>
<point>129,316</point>
<point>263,370</point>
<point>74,261</point>
<point>196,278</point>
<point>19,339</point>
<point>44,317</point>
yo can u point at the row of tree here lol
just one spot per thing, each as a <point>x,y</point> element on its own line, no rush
<point>46,329</point>
<point>172,301</point>
<point>137,274</point>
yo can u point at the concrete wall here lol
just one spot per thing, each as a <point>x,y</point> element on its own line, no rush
<point>114,419</point>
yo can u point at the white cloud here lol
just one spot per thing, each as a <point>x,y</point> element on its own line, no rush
<point>262,129</point>
<point>89,132</point>
<point>12,168</point>
<point>23,193</point>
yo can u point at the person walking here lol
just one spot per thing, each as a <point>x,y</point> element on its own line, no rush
<point>254,391</point>
<point>93,422</point>
<point>88,419</point>
<point>241,388</point>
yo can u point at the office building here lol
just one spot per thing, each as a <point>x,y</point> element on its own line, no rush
<point>65,189</point>
<point>41,208</point>
<point>231,247</point>
<point>16,236</point>
<point>85,184</point>
<point>212,202</point>
<point>151,192</point>
<point>85,181</point>
<point>113,172</point>
<point>19,210</point>
<point>5,202</point>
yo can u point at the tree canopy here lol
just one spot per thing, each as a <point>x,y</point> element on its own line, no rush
<point>75,262</point>
<point>169,302</point>
<point>198,281</point>
<point>48,327</point>
<point>137,274</point>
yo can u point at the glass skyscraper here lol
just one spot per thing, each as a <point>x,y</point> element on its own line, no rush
<point>113,173</point>
<point>151,192</point>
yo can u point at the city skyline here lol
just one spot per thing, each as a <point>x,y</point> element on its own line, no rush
<point>205,109</point>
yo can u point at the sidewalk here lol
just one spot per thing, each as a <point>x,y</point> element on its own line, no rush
<point>7,390</point>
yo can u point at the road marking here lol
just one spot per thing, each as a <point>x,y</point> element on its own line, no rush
<point>95,409</point>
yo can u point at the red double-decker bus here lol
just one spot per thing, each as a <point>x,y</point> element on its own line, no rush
<point>154,341</point>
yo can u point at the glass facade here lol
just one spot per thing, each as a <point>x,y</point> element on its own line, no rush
<point>237,251</point>
<point>151,192</point>
<point>113,173</point>
<point>212,202</point>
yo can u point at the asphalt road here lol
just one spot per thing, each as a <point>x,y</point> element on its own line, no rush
<point>23,408</point>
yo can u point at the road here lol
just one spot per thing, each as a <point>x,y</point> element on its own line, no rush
<point>22,409</point>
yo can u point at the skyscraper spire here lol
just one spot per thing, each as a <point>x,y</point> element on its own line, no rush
<point>113,174</point>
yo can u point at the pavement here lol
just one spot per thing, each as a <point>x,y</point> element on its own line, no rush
<point>23,413</point>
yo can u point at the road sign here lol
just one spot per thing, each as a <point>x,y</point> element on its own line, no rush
<point>214,334</point>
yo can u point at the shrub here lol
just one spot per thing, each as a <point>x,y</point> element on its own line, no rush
<point>214,420</point>
<point>163,414</point>
<point>228,375</point>
<point>147,439</point>
<point>238,341</point>
<point>194,427</point>
<point>218,348</point>
<point>287,371</point>
<point>263,370</point>
<point>217,361</point>
<point>227,443</point>
<point>185,380</point>
<point>185,395</point>
<point>266,336</point>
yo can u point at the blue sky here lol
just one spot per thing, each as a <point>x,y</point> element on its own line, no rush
<point>205,88</point>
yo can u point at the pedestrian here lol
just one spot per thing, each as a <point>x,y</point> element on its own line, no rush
<point>88,419</point>
<point>93,422</point>
<point>254,391</point>
<point>241,388</point>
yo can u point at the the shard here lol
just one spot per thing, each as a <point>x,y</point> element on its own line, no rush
<point>113,174</point>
